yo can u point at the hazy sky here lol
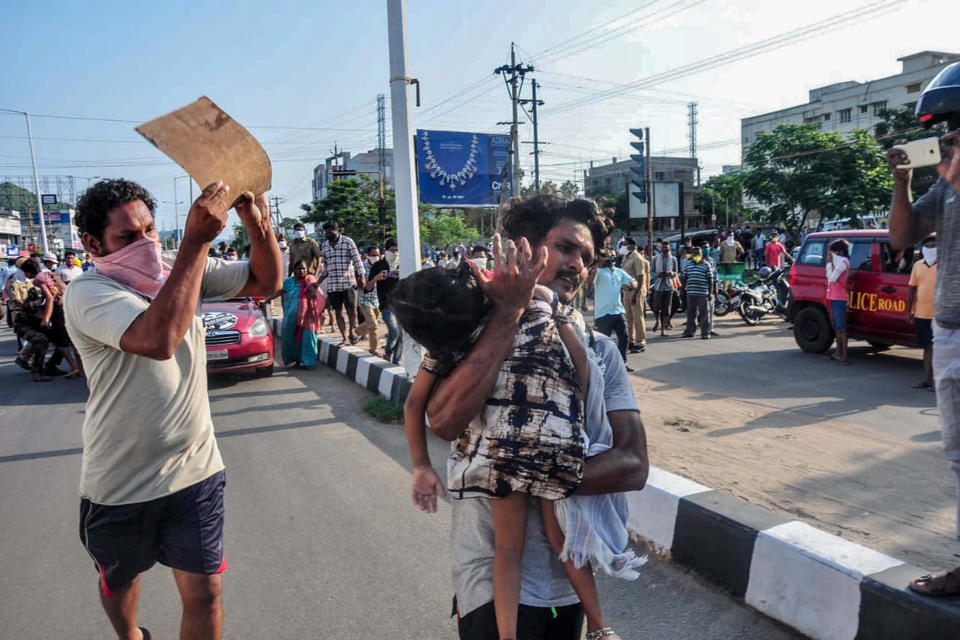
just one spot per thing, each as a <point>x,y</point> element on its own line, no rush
<point>304,75</point>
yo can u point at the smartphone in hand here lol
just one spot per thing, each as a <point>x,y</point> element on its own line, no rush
<point>920,153</point>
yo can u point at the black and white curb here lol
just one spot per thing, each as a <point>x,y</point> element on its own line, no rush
<point>826,587</point>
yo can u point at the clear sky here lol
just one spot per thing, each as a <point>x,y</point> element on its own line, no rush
<point>305,75</point>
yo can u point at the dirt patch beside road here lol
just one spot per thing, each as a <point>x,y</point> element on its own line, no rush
<point>839,476</point>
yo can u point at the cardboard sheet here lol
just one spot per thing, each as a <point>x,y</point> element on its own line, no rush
<point>210,145</point>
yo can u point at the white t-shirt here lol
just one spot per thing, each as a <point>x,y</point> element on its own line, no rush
<point>148,431</point>
<point>70,273</point>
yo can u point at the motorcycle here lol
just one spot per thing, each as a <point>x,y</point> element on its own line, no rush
<point>728,299</point>
<point>769,294</point>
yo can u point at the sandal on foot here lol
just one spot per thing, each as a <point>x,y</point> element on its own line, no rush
<point>606,632</point>
<point>943,583</point>
<point>145,633</point>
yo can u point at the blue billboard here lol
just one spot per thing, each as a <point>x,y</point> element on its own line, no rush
<point>458,169</point>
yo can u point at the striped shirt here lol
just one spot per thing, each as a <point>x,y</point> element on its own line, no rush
<point>699,277</point>
<point>368,298</point>
<point>342,264</point>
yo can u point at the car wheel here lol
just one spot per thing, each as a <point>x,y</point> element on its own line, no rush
<point>265,372</point>
<point>812,330</point>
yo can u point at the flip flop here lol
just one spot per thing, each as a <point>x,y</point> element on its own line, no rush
<point>943,583</point>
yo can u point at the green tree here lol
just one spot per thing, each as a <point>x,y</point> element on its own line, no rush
<point>441,228</point>
<point>722,196</point>
<point>900,125</point>
<point>797,169</point>
<point>287,224</point>
<point>353,204</point>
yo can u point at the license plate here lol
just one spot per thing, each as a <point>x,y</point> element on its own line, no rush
<point>217,354</point>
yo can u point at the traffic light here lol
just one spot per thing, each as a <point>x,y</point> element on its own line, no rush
<point>639,166</point>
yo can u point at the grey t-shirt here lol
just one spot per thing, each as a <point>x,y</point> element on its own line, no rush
<point>942,205</point>
<point>147,431</point>
<point>544,582</point>
<point>662,264</point>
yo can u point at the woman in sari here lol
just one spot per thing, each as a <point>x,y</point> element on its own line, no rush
<point>303,303</point>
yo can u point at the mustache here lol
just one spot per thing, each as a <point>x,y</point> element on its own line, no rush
<point>572,276</point>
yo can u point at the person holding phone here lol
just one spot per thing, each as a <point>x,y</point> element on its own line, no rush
<point>386,273</point>
<point>938,210</point>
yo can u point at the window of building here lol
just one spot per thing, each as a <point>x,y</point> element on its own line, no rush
<point>659,175</point>
<point>877,106</point>
<point>913,88</point>
<point>844,115</point>
<point>826,116</point>
<point>863,108</point>
<point>607,180</point>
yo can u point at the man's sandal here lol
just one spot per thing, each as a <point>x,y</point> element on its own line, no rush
<point>943,583</point>
<point>606,632</point>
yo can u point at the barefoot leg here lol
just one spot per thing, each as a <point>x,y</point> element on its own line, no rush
<point>509,528</point>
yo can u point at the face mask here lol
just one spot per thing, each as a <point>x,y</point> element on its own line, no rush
<point>373,259</point>
<point>929,254</point>
<point>730,241</point>
<point>138,266</point>
<point>697,258</point>
<point>393,259</point>
<point>775,239</point>
<point>622,250</point>
<point>283,244</point>
<point>299,234</point>
<point>480,262</point>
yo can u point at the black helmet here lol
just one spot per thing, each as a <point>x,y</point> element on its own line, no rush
<point>765,272</point>
<point>940,101</point>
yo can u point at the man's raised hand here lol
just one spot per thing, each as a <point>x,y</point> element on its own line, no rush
<point>511,286</point>
<point>208,214</point>
<point>949,168</point>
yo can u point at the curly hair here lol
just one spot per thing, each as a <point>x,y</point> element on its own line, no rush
<point>102,198</point>
<point>532,218</point>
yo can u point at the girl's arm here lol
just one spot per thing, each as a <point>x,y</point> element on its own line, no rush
<point>48,308</point>
<point>426,484</point>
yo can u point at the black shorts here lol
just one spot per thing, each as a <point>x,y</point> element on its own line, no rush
<point>924,328</point>
<point>533,623</point>
<point>183,531</point>
<point>336,299</point>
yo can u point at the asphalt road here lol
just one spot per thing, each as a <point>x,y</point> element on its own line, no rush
<point>763,364</point>
<point>321,538</point>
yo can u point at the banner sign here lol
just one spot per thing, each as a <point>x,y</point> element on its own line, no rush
<point>54,217</point>
<point>458,169</point>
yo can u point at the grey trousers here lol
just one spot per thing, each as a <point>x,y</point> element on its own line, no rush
<point>697,305</point>
<point>946,375</point>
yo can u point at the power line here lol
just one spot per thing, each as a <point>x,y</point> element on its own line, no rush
<point>811,30</point>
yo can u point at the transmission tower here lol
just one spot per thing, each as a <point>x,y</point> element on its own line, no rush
<point>382,135</point>
<point>692,134</point>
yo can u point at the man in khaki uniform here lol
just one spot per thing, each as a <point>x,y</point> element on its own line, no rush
<point>304,248</point>
<point>635,301</point>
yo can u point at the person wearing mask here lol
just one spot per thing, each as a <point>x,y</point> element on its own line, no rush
<point>284,249</point>
<point>731,251</point>
<point>664,288</point>
<point>479,257</point>
<point>32,324</point>
<point>746,239</point>
<point>303,303</point>
<point>635,301</point>
<point>304,248</point>
<point>838,270</point>
<point>137,324</point>
<point>923,283</point>
<point>699,282</point>
<point>386,273</point>
<point>344,274</point>
<point>50,262</point>
<point>232,255</point>
<point>775,253</point>
<point>87,262</point>
<point>369,302</point>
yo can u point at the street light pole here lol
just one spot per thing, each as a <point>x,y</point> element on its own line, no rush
<point>36,184</point>
<point>176,210</point>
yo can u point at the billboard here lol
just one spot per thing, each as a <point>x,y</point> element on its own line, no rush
<point>459,169</point>
<point>667,200</point>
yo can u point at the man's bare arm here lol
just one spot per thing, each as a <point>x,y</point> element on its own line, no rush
<point>625,466</point>
<point>460,397</point>
<point>265,258</point>
<point>159,330</point>
<point>906,227</point>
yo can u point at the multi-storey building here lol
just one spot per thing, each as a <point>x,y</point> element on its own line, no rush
<point>363,163</point>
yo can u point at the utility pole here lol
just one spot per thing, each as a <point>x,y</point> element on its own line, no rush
<point>692,122</point>
<point>382,163</point>
<point>646,131</point>
<point>275,206</point>
<point>404,180</point>
<point>536,139</point>
<point>513,76</point>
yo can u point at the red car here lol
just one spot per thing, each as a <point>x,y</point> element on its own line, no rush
<point>877,299</point>
<point>238,336</point>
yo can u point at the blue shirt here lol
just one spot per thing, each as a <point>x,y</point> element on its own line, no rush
<point>607,287</point>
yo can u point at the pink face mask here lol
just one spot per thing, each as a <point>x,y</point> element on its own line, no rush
<point>138,266</point>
